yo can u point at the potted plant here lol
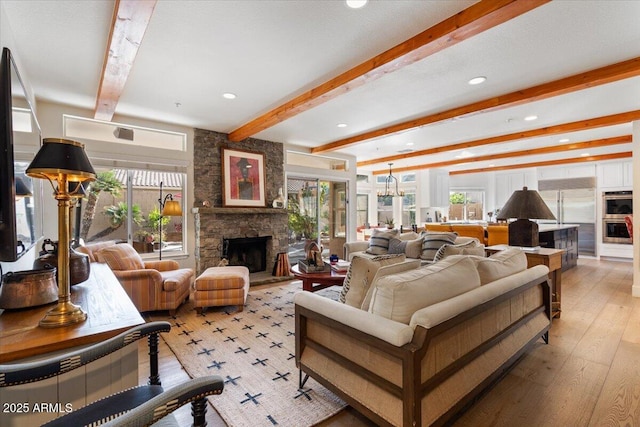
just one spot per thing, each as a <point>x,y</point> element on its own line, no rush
<point>389,222</point>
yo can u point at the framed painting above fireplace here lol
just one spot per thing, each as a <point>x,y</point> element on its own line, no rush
<point>243,178</point>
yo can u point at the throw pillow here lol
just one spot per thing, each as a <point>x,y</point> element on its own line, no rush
<point>360,274</point>
<point>379,241</point>
<point>432,241</point>
<point>414,248</point>
<point>470,248</point>
<point>120,257</point>
<point>501,264</point>
<point>397,246</point>
<point>398,296</point>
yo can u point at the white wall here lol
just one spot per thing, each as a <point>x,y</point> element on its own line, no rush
<point>635,290</point>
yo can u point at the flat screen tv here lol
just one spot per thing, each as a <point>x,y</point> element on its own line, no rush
<point>18,127</point>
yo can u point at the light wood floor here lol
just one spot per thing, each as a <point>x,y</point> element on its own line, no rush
<point>588,375</point>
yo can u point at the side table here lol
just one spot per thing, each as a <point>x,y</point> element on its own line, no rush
<point>552,258</point>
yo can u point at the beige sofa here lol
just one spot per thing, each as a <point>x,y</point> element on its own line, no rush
<point>431,338</point>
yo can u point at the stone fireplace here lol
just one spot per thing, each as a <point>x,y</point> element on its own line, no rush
<point>215,224</point>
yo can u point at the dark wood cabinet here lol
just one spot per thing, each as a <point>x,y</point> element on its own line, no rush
<point>565,238</point>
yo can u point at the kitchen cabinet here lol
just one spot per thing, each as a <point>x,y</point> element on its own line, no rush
<point>559,172</point>
<point>616,175</point>
<point>507,183</point>
<point>434,188</point>
<point>561,237</point>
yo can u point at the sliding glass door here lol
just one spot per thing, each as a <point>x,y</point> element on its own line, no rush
<point>317,212</point>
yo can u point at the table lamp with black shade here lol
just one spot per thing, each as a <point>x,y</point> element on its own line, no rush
<point>525,205</point>
<point>62,161</point>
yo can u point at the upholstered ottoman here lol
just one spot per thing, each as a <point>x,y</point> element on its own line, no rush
<point>218,286</point>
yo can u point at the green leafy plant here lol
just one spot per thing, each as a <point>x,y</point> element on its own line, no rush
<point>390,222</point>
<point>117,215</point>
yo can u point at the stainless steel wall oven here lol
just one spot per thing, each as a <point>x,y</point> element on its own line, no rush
<point>616,205</point>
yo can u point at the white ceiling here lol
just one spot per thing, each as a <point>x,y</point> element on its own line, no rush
<point>267,52</point>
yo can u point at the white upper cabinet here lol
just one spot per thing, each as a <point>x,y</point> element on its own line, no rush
<point>559,172</point>
<point>616,175</point>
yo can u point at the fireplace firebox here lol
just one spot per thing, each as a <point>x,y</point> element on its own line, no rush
<point>250,252</point>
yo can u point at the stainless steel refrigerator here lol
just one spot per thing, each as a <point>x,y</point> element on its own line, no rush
<point>573,201</point>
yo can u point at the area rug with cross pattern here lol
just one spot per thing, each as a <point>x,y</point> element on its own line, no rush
<point>254,352</point>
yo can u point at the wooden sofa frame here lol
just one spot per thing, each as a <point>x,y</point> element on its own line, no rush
<point>347,361</point>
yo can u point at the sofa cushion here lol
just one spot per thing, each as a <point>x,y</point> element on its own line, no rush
<point>471,247</point>
<point>360,275</point>
<point>379,241</point>
<point>120,257</point>
<point>501,264</point>
<point>411,248</point>
<point>409,235</point>
<point>432,241</point>
<point>398,296</point>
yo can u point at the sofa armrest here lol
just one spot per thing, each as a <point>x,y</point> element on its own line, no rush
<point>358,246</point>
<point>142,277</point>
<point>394,333</point>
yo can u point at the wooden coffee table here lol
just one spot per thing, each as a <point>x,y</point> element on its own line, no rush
<point>318,280</point>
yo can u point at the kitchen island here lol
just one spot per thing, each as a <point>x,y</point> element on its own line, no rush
<point>561,236</point>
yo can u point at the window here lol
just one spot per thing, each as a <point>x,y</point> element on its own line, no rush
<point>466,205</point>
<point>385,209</point>
<point>409,208</point>
<point>123,204</point>
<point>362,209</point>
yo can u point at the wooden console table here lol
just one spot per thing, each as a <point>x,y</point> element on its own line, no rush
<point>552,258</point>
<point>110,312</point>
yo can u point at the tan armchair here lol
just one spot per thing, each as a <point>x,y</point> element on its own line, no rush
<point>152,285</point>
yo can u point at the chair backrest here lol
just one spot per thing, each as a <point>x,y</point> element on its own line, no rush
<point>437,227</point>
<point>91,248</point>
<point>497,234</point>
<point>21,373</point>
<point>470,230</point>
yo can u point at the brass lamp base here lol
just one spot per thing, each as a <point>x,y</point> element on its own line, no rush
<point>64,314</point>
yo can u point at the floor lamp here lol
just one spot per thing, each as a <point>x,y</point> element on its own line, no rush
<point>168,207</point>
<point>62,161</point>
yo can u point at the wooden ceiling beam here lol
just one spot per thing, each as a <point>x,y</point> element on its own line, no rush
<point>611,73</point>
<point>480,17</point>
<point>612,120</point>
<point>602,157</point>
<point>128,25</point>
<point>596,143</point>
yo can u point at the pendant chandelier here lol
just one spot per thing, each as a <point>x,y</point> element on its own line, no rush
<point>388,186</point>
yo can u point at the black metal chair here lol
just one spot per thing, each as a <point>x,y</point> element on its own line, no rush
<point>138,406</point>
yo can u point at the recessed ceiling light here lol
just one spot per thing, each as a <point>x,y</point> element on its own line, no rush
<point>584,155</point>
<point>531,118</point>
<point>229,95</point>
<point>342,125</point>
<point>564,140</point>
<point>356,4</point>
<point>477,80</point>
<point>464,154</point>
<point>409,143</point>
